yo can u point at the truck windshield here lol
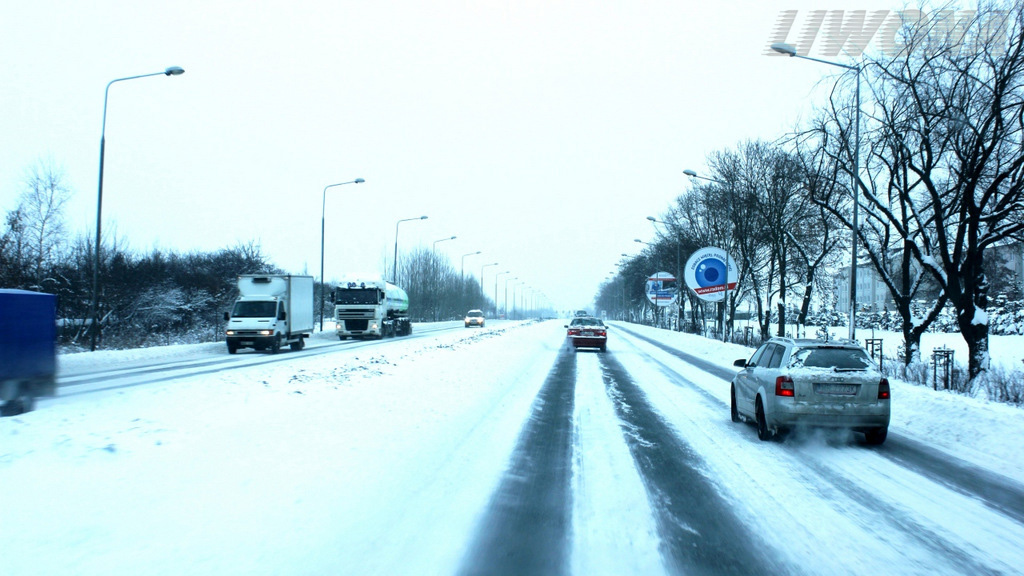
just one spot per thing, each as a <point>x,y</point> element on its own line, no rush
<point>254,310</point>
<point>357,296</point>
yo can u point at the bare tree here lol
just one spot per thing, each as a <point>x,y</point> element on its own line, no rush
<point>42,204</point>
<point>816,240</point>
<point>950,144</point>
<point>14,261</point>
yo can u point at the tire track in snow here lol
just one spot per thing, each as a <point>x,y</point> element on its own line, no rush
<point>527,526</point>
<point>700,534</point>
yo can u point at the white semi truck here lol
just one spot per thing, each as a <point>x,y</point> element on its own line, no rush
<point>370,308</point>
<point>272,310</point>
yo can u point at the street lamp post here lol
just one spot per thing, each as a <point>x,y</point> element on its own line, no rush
<point>94,314</point>
<point>323,211</point>
<point>433,247</point>
<point>728,253</point>
<point>482,296</point>
<point>394,264</point>
<point>433,280</point>
<point>507,280</point>
<point>523,287</point>
<point>496,276</point>
<point>463,270</point>
<point>790,50</point>
<point>642,302</point>
<point>679,273</point>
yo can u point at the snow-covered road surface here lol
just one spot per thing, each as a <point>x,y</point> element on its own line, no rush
<point>494,451</point>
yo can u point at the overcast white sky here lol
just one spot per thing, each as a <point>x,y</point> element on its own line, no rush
<point>541,132</point>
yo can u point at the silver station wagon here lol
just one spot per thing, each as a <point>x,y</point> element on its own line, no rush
<point>793,382</point>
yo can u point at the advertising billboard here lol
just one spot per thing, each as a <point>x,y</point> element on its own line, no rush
<point>662,289</point>
<point>710,272</point>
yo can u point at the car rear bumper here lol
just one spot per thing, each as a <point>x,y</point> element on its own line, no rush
<point>588,342</point>
<point>788,414</point>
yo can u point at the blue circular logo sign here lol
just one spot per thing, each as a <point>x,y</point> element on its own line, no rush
<point>710,272</point>
<point>708,275</point>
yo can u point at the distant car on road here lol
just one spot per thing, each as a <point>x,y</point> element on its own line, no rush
<point>580,314</point>
<point>587,332</point>
<point>800,382</point>
<point>475,318</point>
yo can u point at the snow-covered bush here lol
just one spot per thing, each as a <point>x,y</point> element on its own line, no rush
<point>1003,385</point>
<point>1006,317</point>
<point>914,373</point>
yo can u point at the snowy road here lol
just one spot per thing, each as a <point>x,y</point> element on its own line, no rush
<point>496,451</point>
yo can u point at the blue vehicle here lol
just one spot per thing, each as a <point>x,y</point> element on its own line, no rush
<point>28,349</point>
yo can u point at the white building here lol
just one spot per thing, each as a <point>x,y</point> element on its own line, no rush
<point>873,295</point>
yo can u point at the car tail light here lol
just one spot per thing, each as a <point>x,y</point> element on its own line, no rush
<point>599,332</point>
<point>883,389</point>
<point>574,332</point>
<point>784,386</point>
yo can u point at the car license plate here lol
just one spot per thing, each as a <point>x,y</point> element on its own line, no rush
<point>836,389</point>
<point>587,333</point>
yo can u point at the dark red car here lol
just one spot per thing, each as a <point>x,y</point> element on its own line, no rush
<point>587,332</point>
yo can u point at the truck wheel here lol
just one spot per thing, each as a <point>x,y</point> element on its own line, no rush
<point>296,346</point>
<point>275,347</point>
<point>20,405</point>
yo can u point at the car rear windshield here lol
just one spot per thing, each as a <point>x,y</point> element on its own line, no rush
<point>475,314</point>
<point>841,358</point>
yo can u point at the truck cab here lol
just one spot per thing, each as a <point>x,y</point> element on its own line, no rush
<point>370,309</point>
<point>271,311</point>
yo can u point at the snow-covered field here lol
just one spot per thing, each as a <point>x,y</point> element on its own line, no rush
<point>336,463</point>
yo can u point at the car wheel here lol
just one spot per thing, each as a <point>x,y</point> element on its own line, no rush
<point>734,412</point>
<point>275,347</point>
<point>876,436</point>
<point>763,433</point>
<point>232,347</point>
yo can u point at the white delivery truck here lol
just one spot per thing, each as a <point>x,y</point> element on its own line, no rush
<point>272,310</point>
<point>370,308</point>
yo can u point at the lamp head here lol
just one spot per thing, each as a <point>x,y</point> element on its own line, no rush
<point>690,173</point>
<point>783,48</point>
<point>359,180</point>
<point>174,71</point>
